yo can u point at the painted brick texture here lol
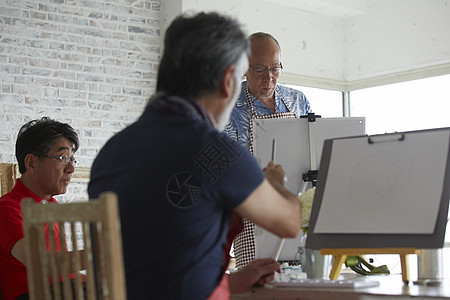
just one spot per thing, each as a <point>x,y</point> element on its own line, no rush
<point>90,63</point>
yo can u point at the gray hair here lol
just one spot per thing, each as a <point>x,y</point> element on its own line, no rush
<point>197,51</point>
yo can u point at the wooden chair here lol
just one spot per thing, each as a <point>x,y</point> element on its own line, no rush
<point>85,237</point>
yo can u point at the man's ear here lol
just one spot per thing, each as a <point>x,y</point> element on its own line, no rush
<point>227,86</point>
<point>30,163</point>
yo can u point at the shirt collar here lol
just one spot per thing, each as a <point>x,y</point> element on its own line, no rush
<point>181,106</point>
<point>23,192</point>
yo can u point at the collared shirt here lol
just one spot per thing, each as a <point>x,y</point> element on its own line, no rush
<point>13,274</point>
<point>178,181</point>
<point>238,126</point>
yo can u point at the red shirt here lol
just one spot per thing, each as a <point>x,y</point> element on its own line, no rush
<point>13,274</point>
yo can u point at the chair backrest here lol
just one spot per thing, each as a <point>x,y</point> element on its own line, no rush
<point>74,250</point>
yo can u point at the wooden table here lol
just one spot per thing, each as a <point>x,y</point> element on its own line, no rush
<point>391,287</point>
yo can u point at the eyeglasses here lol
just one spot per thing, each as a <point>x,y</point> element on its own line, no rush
<point>273,70</point>
<point>65,159</point>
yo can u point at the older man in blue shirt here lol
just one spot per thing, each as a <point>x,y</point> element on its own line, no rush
<point>261,97</point>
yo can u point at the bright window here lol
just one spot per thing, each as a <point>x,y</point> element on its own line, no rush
<point>325,103</point>
<point>412,105</point>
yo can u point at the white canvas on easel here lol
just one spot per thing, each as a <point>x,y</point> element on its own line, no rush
<point>378,180</point>
<point>386,190</point>
<point>293,138</point>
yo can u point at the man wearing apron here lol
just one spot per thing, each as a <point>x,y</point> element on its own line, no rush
<point>261,98</point>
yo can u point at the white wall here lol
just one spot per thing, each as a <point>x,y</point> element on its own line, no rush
<point>302,36</point>
<point>377,42</point>
<point>169,10</point>
<point>401,38</point>
<point>88,63</point>
<point>311,44</point>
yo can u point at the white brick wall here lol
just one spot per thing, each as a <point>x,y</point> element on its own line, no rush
<point>90,63</point>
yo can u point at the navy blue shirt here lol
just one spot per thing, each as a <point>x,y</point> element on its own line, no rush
<point>178,180</point>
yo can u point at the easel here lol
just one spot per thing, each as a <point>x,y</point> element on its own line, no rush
<point>331,229</point>
<point>340,256</point>
<point>312,174</point>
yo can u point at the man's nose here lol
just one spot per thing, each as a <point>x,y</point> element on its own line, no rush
<point>70,168</point>
<point>268,76</point>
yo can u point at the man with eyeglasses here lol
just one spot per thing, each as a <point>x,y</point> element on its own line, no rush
<point>261,97</point>
<point>44,151</point>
